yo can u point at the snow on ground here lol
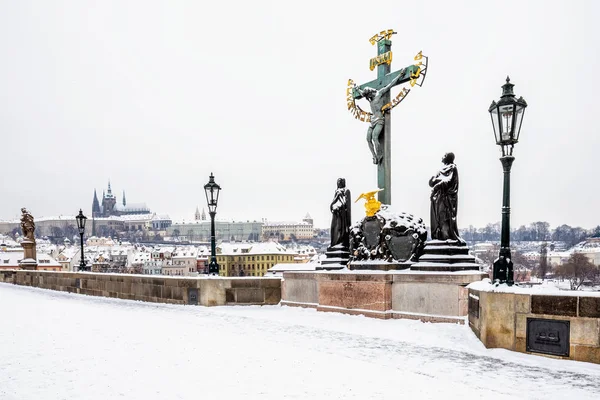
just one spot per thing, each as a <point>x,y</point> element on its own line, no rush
<point>56,345</point>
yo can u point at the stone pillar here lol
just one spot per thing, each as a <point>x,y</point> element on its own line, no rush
<point>29,260</point>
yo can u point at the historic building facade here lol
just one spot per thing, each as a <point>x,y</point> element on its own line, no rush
<point>199,230</point>
<point>251,259</point>
<point>302,230</point>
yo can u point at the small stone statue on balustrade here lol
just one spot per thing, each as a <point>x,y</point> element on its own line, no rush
<point>29,260</point>
<point>27,225</point>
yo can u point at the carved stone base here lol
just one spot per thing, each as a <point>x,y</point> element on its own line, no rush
<point>378,265</point>
<point>388,237</point>
<point>29,260</point>
<point>445,255</point>
<point>28,264</point>
<point>427,296</point>
<point>337,258</point>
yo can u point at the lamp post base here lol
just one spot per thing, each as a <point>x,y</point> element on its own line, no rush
<point>503,271</point>
<point>213,268</point>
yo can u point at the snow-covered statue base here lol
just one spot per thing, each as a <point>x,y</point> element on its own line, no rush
<point>387,240</point>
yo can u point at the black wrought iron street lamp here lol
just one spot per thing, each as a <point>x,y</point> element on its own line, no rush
<point>212,198</point>
<point>507,117</point>
<point>81,226</point>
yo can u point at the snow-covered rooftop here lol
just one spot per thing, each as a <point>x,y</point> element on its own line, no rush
<point>252,248</point>
<point>11,259</point>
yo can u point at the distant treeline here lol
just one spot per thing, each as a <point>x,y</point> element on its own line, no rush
<point>534,232</point>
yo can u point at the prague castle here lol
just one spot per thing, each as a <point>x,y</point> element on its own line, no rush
<point>110,206</point>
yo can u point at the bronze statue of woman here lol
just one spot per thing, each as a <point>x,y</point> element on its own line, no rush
<point>444,201</point>
<point>341,215</point>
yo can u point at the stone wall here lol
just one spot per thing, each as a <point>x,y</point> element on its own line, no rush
<point>301,290</point>
<point>206,291</point>
<point>500,320</point>
<point>435,297</point>
<point>438,297</point>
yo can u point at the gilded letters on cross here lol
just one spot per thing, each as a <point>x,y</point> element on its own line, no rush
<point>385,58</point>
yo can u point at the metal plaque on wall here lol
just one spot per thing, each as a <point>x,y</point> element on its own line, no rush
<point>193,296</point>
<point>474,305</point>
<point>548,336</point>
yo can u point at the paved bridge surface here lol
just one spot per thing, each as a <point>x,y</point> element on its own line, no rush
<point>56,345</point>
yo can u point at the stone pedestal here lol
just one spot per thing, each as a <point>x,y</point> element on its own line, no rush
<point>445,255</point>
<point>426,296</point>
<point>29,260</point>
<point>337,258</point>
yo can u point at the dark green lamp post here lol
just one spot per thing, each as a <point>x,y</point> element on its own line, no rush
<point>507,117</point>
<point>212,198</point>
<point>81,227</point>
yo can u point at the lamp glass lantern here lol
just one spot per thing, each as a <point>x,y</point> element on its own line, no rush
<point>81,219</point>
<point>507,117</point>
<point>212,189</point>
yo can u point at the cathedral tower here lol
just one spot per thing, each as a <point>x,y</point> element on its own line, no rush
<point>108,203</point>
<point>96,212</point>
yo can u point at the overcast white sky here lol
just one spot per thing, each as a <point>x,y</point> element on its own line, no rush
<point>157,94</point>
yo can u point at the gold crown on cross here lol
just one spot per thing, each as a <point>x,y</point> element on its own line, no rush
<point>382,35</point>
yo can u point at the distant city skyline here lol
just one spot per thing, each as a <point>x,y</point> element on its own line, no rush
<point>358,210</point>
<point>145,95</point>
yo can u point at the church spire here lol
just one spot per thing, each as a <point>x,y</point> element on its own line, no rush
<point>95,204</point>
<point>109,189</point>
<point>203,215</point>
<point>124,201</point>
<point>197,214</point>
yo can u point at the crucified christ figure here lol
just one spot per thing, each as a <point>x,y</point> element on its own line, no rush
<point>377,101</point>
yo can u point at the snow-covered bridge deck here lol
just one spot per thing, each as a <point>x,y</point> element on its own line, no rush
<point>56,345</point>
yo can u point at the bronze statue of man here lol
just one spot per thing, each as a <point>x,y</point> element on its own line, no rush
<point>341,215</point>
<point>444,201</point>
<point>376,99</point>
<point>27,224</point>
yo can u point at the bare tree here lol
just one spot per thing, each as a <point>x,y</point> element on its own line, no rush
<point>490,255</point>
<point>577,270</point>
<point>522,266</point>
<point>542,269</point>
